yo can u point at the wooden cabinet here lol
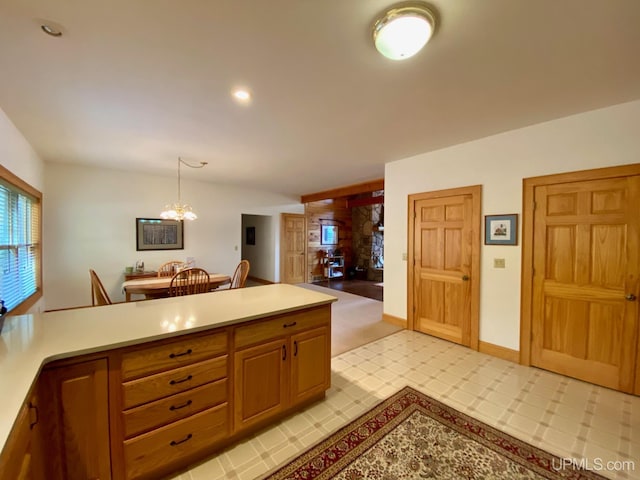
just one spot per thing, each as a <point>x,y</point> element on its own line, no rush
<point>173,403</point>
<point>147,411</point>
<point>74,420</point>
<point>20,459</point>
<point>274,376</point>
<point>310,364</point>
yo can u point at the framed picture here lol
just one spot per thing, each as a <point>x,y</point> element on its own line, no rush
<point>328,234</point>
<point>251,236</point>
<point>158,234</point>
<point>501,229</point>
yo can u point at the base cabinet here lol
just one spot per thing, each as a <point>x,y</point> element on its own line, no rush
<point>146,411</point>
<point>292,367</point>
<point>74,421</point>
<point>21,459</point>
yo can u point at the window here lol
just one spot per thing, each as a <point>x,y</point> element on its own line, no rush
<point>20,245</point>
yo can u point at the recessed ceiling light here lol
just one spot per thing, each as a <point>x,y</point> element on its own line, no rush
<point>241,95</point>
<point>51,30</point>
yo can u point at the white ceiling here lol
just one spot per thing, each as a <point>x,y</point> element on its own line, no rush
<point>133,84</point>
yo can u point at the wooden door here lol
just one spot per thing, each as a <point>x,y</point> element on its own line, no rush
<point>586,267</point>
<point>75,421</point>
<point>310,364</point>
<point>260,382</point>
<point>444,274</point>
<point>293,241</point>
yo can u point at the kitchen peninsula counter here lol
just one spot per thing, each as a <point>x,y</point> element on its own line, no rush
<point>29,342</point>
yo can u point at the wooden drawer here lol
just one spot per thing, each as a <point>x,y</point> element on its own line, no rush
<point>154,387</point>
<point>283,325</point>
<point>165,356</point>
<point>162,412</point>
<point>176,443</point>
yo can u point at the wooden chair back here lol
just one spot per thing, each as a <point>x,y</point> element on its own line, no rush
<point>189,281</point>
<point>99,295</point>
<point>240,275</point>
<point>169,269</point>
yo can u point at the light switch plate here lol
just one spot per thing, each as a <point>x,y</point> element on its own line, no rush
<point>498,263</point>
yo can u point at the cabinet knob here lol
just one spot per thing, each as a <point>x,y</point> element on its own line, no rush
<point>465,278</point>
<point>631,297</point>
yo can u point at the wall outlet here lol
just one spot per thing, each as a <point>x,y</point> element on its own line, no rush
<point>404,257</point>
<point>498,263</point>
<point>236,248</point>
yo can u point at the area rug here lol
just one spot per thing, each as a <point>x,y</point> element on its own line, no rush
<point>413,436</point>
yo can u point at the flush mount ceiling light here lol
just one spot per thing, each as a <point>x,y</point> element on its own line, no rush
<point>403,30</point>
<point>180,211</point>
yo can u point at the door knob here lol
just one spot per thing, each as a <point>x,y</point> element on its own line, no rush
<point>465,278</point>
<point>631,297</point>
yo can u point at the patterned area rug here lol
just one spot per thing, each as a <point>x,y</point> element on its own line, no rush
<point>412,436</point>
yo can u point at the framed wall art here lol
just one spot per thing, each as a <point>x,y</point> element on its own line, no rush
<point>501,229</point>
<point>328,234</point>
<point>159,234</point>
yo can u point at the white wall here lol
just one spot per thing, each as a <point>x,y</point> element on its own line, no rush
<point>89,222</point>
<point>605,137</point>
<point>17,156</point>
<point>261,255</point>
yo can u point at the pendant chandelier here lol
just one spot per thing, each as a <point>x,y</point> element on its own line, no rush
<point>178,210</point>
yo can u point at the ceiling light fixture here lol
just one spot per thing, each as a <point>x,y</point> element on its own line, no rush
<point>50,30</point>
<point>242,95</point>
<point>180,211</point>
<point>403,30</point>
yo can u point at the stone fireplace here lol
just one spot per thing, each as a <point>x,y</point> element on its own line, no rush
<point>368,240</point>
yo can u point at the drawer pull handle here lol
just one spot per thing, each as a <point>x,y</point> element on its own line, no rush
<point>178,407</point>
<point>185,379</point>
<point>295,348</point>
<point>174,443</point>
<point>287,325</point>
<point>284,352</point>
<point>175,355</point>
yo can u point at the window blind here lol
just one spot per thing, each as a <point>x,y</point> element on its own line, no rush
<point>19,245</point>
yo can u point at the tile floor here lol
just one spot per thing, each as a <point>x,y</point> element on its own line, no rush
<point>567,417</point>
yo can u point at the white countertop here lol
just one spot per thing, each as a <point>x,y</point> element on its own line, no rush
<point>30,341</point>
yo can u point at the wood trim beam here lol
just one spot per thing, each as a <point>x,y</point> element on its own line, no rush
<point>361,202</point>
<point>366,187</point>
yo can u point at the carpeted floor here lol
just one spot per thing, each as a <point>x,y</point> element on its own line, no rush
<point>413,436</point>
<point>355,320</point>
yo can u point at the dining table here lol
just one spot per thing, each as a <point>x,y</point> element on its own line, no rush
<point>158,287</point>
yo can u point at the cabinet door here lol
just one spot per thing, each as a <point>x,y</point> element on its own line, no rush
<point>75,421</point>
<point>260,382</point>
<point>310,364</point>
<point>16,458</point>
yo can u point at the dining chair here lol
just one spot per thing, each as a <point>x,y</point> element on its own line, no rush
<point>169,269</point>
<point>188,282</point>
<point>239,278</point>
<point>99,295</point>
